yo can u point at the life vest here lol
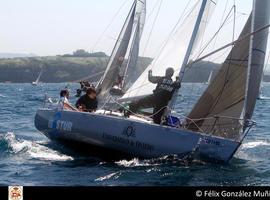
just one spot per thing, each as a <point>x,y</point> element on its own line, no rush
<point>165,87</point>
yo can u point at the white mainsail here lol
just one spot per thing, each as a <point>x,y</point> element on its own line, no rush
<point>173,53</point>
<point>38,78</point>
<point>235,88</point>
<point>134,22</point>
<point>210,77</point>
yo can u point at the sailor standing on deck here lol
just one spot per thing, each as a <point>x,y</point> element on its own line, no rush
<point>161,96</point>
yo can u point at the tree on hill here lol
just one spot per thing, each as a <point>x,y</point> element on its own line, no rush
<point>81,53</point>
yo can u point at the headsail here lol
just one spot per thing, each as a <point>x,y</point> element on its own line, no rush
<point>173,53</point>
<point>134,21</point>
<point>230,94</point>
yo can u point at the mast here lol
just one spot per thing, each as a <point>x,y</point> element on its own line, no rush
<point>189,50</point>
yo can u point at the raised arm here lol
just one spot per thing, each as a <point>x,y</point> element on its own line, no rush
<point>153,79</point>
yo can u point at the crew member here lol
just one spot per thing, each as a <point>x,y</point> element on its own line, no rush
<point>88,102</point>
<point>64,94</point>
<point>84,86</point>
<point>161,95</point>
<point>64,99</point>
<point>119,81</point>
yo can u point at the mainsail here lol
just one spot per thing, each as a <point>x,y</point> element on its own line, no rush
<point>129,38</point>
<point>173,52</point>
<point>210,77</point>
<point>232,94</point>
<point>39,76</point>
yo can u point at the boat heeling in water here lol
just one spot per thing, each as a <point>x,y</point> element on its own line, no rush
<point>231,94</point>
<point>130,136</point>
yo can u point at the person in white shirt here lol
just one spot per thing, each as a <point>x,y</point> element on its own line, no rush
<point>64,96</point>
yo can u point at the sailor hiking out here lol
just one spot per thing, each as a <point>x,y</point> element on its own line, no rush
<point>161,95</point>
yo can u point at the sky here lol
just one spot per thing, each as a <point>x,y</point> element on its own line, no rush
<point>56,27</point>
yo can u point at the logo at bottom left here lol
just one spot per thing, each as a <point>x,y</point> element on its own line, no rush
<point>15,193</point>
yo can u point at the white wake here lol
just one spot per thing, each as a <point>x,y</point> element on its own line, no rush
<point>35,150</point>
<point>251,145</point>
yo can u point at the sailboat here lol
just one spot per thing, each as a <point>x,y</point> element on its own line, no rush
<point>35,83</point>
<point>210,78</point>
<point>216,126</point>
<point>126,48</point>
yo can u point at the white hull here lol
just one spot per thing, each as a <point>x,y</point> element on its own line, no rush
<point>131,136</point>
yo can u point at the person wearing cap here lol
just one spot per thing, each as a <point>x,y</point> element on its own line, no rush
<point>161,96</point>
<point>88,102</point>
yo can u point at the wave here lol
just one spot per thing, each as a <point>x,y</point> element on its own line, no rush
<point>166,160</point>
<point>134,163</point>
<point>108,177</point>
<point>264,98</point>
<point>34,150</point>
<point>251,145</point>
<point>3,96</point>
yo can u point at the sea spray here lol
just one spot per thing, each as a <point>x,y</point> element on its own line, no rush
<point>33,149</point>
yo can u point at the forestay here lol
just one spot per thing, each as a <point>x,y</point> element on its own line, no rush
<point>132,29</point>
<point>230,96</point>
<point>173,52</point>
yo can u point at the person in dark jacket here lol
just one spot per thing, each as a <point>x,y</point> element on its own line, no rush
<point>161,96</point>
<point>88,102</point>
<point>84,86</point>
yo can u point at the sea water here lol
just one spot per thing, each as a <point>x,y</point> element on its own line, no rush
<point>28,158</point>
